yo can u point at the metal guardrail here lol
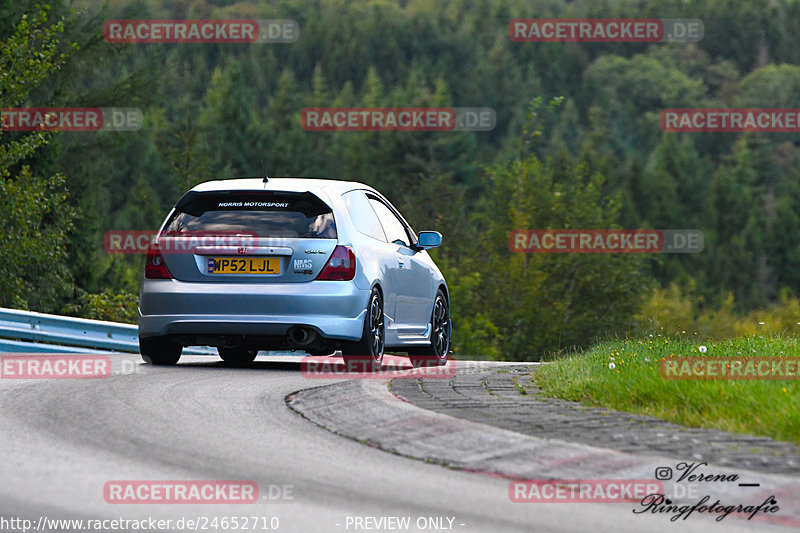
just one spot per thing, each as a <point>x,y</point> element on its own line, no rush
<point>29,331</point>
<point>10,346</point>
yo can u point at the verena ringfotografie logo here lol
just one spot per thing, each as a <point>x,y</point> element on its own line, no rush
<point>55,366</point>
<point>138,241</point>
<point>731,120</point>
<point>696,490</point>
<point>393,367</point>
<point>582,490</point>
<point>398,119</point>
<point>71,119</point>
<point>605,241</point>
<point>712,368</point>
<point>168,491</point>
<point>597,30</point>
<point>201,31</point>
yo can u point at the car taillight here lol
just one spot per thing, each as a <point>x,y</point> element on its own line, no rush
<point>341,266</point>
<point>154,266</point>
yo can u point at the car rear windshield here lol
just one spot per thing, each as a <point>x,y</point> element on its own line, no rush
<point>264,214</point>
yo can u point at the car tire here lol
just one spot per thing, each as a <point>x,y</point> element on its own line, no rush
<point>237,355</point>
<point>367,353</point>
<point>438,348</point>
<point>159,351</point>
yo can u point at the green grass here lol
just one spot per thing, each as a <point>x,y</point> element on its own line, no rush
<point>634,384</point>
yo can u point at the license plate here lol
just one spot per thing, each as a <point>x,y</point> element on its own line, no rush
<point>238,265</point>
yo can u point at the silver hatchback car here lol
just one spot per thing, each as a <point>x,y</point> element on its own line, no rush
<point>303,264</point>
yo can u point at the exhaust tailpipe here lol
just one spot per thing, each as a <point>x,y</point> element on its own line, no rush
<point>302,336</point>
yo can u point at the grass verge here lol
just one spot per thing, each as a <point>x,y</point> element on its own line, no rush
<point>624,375</point>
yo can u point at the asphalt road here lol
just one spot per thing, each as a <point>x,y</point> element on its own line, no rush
<point>62,440</point>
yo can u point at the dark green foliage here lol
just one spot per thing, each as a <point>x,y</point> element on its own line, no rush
<point>35,216</point>
<point>597,158</point>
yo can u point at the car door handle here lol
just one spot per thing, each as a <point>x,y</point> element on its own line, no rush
<point>401,263</point>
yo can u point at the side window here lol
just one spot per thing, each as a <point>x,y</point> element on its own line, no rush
<point>363,216</point>
<point>392,226</point>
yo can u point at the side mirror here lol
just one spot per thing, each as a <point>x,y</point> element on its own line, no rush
<point>429,239</point>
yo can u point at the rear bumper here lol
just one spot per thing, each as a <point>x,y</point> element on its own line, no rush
<point>334,309</point>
